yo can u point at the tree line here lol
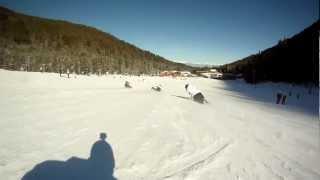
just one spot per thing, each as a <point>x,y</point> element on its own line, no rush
<point>36,44</point>
<point>293,60</point>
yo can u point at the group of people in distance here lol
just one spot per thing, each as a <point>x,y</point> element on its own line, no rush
<point>196,95</point>
<point>192,91</point>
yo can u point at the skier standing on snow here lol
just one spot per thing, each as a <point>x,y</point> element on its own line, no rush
<point>195,94</point>
<point>68,72</point>
<point>281,97</point>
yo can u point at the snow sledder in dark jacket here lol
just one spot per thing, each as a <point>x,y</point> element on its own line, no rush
<point>156,88</point>
<point>127,84</point>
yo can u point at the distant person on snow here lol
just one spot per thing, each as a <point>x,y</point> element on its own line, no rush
<point>281,97</point>
<point>284,99</point>
<point>195,94</point>
<point>127,84</point>
<point>68,72</point>
<point>156,88</point>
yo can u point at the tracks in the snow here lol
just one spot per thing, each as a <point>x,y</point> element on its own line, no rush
<point>199,163</point>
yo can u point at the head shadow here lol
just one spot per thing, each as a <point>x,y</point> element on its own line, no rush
<point>99,166</point>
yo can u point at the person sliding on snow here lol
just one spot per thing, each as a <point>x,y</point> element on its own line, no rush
<point>127,84</point>
<point>157,88</point>
<point>195,94</point>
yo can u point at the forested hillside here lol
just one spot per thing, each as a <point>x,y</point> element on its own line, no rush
<point>294,60</point>
<point>34,44</point>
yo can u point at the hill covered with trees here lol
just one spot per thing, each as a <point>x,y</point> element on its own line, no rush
<point>293,60</point>
<point>34,44</point>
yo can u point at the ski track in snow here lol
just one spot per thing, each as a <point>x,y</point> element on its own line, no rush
<point>198,164</point>
<point>158,135</point>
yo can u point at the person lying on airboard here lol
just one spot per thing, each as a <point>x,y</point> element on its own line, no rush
<point>195,94</point>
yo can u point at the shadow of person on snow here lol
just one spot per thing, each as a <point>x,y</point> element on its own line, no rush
<point>99,166</point>
<point>182,97</point>
<point>187,98</point>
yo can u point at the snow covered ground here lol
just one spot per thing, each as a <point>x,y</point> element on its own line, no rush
<point>240,134</point>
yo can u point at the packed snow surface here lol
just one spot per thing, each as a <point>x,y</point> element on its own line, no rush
<point>240,134</point>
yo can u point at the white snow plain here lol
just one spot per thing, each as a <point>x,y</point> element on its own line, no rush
<point>240,134</point>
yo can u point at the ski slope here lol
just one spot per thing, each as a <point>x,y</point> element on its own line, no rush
<point>240,134</point>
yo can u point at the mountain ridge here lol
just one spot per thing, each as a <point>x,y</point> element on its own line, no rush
<point>292,60</point>
<point>34,43</point>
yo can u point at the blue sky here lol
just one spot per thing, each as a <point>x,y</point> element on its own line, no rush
<point>194,31</point>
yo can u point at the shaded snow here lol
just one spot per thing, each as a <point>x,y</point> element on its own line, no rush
<point>240,134</point>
